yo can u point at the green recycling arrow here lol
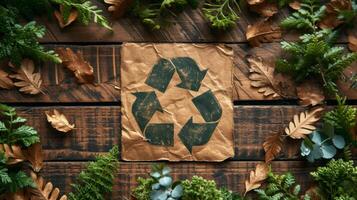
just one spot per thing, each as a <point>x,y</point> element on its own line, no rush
<point>147,103</point>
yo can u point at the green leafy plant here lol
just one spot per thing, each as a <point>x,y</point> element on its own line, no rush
<point>200,188</point>
<point>143,190</point>
<point>337,180</point>
<point>156,13</point>
<point>314,57</point>
<point>97,179</point>
<point>342,119</point>
<point>281,187</point>
<point>14,132</point>
<point>20,41</point>
<point>222,14</point>
<point>306,17</point>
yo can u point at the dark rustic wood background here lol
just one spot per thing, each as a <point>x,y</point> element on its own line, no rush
<point>95,110</point>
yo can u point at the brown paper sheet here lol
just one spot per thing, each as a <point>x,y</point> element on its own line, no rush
<point>189,120</point>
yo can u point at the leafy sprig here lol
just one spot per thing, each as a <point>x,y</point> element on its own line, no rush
<point>222,14</point>
<point>306,17</point>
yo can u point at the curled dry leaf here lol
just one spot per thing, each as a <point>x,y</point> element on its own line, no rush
<point>5,81</point>
<point>296,5</point>
<point>261,77</point>
<point>19,195</point>
<point>303,123</point>
<point>257,177</point>
<point>352,41</point>
<point>59,121</point>
<point>29,82</point>
<point>272,146</point>
<point>34,156</point>
<point>13,153</point>
<point>330,19</point>
<point>118,7</point>
<point>76,63</point>
<point>73,15</point>
<point>310,93</point>
<point>255,2</point>
<point>265,9</point>
<point>44,191</point>
<point>263,31</point>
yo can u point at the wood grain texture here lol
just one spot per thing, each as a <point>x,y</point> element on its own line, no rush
<point>189,26</point>
<point>230,174</point>
<point>98,129</point>
<point>60,85</point>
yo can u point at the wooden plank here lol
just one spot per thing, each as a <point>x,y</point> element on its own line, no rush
<point>61,86</point>
<point>229,174</point>
<point>98,129</point>
<point>190,26</point>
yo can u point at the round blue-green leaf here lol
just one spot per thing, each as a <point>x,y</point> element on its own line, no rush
<point>158,195</point>
<point>339,141</point>
<point>155,175</point>
<point>316,137</point>
<point>166,171</point>
<point>328,151</point>
<point>316,152</point>
<point>155,186</point>
<point>165,181</point>
<point>304,149</point>
<point>177,191</point>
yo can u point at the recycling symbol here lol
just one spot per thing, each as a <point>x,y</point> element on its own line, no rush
<point>147,103</point>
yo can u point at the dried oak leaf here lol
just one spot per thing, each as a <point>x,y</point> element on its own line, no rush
<point>13,153</point>
<point>118,7</point>
<point>272,146</point>
<point>330,19</point>
<point>255,2</point>
<point>263,31</point>
<point>352,41</point>
<point>265,9</point>
<point>76,63</point>
<point>261,77</point>
<point>310,93</point>
<point>5,81</point>
<point>59,121</point>
<point>296,5</point>
<point>73,15</point>
<point>302,123</point>
<point>29,81</point>
<point>19,195</point>
<point>44,191</point>
<point>34,156</point>
<point>257,177</point>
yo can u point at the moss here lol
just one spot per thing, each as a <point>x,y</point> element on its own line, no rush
<point>201,189</point>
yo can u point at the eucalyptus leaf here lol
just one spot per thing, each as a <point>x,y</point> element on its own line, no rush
<point>328,151</point>
<point>155,175</point>
<point>316,137</point>
<point>177,191</point>
<point>155,186</point>
<point>158,195</point>
<point>339,141</point>
<point>166,171</point>
<point>304,149</point>
<point>165,181</point>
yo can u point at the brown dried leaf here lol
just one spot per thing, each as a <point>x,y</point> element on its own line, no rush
<point>13,153</point>
<point>59,121</point>
<point>302,124</point>
<point>5,81</point>
<point>73,15</point>
<point>257,177</point>
<point>255,2</point>
<point>263,31</point>
<point>44,191</point>
<point>19,195</point>
<point>261,77</point>
<point>310,93</point>
<point>34,156</point>
<point>118,7</point>
<point>29,81</point>
<point>265,9</point>
<point>76,63</point>
<point>330,19</point>
<point>296,5</point>
<point>352,41</point>
<point>272,146</point>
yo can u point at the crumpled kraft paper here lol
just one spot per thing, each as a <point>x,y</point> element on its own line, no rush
<point>176,102</point>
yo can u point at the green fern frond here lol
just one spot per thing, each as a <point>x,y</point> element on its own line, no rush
<point>306,17</point>
<point>222,14</point>
<point>97,179</point>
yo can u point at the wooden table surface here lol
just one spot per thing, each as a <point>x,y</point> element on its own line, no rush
<point>95,110</point>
